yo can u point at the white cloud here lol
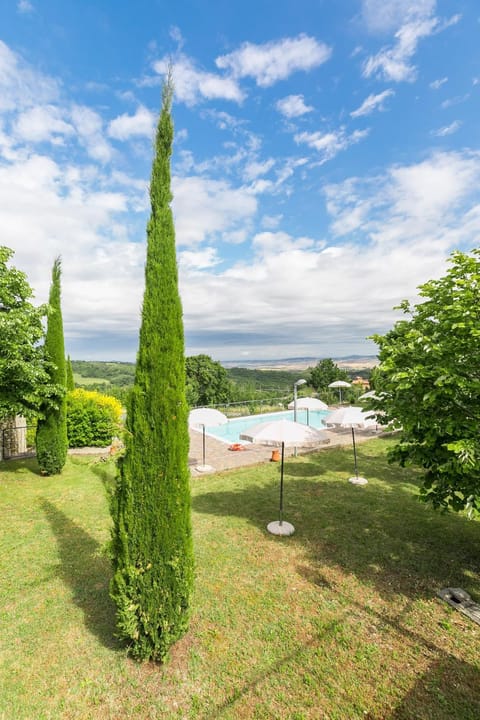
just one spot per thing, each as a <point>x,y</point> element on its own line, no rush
<point>206,208</point>
<point>193,85</point>
<point>448,129</point>
<point>381,16</point>
<point>276,60</point>
<point>20,86</point>
<point>198,260</point>
<point>450,102</point>
<point>126,126</point>
<point>254,169</point>
<point>300,296</point>
<point>25,7</point>
<point>293,106</point>
<point>393,64</point>
<point>331,143</point>
<point>271,222</point>
<point>436,84</point>
<point>42,123</point>
<point>371,103</point>
<point>411,20</point>
<point>89,126</point>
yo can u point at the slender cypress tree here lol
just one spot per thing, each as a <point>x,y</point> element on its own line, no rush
<point>51,437</point>
<point>151,537</point>
<point>69,370</point>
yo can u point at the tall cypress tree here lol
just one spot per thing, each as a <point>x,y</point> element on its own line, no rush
<point>69,371</point>
<point>151,537</point>
<point>51,437</point>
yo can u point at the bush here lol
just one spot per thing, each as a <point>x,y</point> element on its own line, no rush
<point>92,418</point>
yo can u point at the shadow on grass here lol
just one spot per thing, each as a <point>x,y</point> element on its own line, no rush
<point>86,571</point>
<point>380,532</point>
<point>450,689</point>
<point>18,464</point>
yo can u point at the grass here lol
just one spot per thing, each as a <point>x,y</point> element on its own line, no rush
<point>339,621</point>
<point>81,380</point>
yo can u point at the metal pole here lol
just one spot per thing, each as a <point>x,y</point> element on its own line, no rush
<point>281,484</point>
<point>308,416</point>
<point>354,452</point>
<point>204,445</point>
<point>295,402</point>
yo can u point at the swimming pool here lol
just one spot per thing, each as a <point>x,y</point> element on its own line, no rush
<point>230,431</point>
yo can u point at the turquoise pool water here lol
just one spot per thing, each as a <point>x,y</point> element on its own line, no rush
<point>230,432</point>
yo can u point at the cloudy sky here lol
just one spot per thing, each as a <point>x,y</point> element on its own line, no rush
<point>326,162</point>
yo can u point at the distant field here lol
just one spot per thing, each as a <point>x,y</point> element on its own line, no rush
<point>80,380</point>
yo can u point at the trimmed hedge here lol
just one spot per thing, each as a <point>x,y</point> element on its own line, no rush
<point>93,419</point>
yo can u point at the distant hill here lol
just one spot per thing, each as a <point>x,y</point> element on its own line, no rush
<point>264,374</point>
<point>353,362</point>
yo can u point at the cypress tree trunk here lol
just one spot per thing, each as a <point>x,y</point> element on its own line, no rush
<point>151,537</point>
<point>51,437</point>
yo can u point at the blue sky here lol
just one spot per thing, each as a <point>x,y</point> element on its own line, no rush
<point>326,163</point>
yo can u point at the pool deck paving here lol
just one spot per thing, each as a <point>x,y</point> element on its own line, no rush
<point>218,457</point>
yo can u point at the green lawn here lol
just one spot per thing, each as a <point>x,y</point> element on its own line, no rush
<point>339,621</point>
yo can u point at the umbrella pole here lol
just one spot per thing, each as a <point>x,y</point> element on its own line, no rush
<point>308,416</point>
<point>281,484</point>
<point>204,445</point>
<point>354,452</point>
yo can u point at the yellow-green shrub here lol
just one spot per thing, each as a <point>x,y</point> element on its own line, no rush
<point>93,419</point>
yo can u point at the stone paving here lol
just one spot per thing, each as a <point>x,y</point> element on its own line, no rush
<point>218,457</point>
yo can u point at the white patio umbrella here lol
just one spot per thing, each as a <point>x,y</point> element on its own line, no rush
<point>351,417</point>
<point>308,403</point>
<point>201,418</point>
<point>287,434</point>
<point>340,384</point>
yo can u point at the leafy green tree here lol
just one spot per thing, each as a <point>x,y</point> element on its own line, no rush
<point>151,538</point>
<point>23,375</point>
<point>51,437</point>
<point>69,371</point>
<point>207,381</point>
<point>429,384</point>
<point>326,372</point>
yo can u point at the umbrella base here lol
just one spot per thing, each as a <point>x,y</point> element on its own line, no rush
<point>204,468</point>
<point>358,480</point>
<point>280,528</point>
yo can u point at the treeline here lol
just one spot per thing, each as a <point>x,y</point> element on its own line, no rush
<point>209,383</point>
<point>122,374</point>
<point>277,380</point>
<point>115,373</point>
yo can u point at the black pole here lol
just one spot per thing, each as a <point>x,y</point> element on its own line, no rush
<point>354,451</point>
<point>204,445</point>
<point>308,416</point>
<point>281,485</point>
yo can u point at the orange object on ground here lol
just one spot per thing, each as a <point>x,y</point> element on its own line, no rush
<point>236,446</point>
<point>275,456</point>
